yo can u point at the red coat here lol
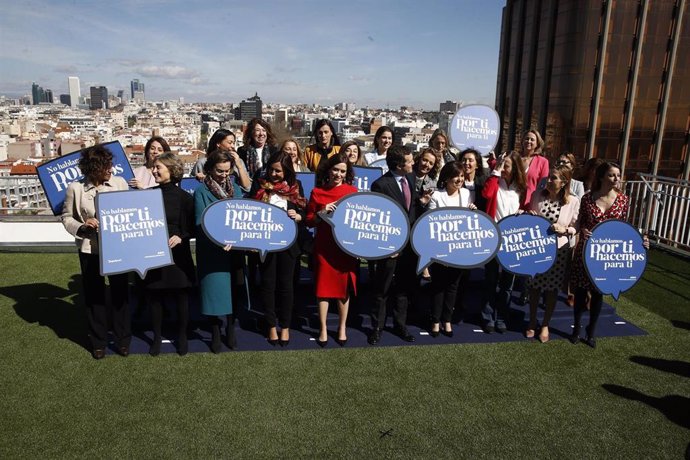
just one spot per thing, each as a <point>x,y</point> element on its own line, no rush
<point>335,271</point>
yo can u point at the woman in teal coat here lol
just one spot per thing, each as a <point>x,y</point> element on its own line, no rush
<point>213,262</point>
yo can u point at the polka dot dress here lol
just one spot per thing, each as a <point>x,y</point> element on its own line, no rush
<point>553,278</point>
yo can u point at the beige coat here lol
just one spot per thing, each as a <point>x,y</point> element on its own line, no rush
<point>80,204</point>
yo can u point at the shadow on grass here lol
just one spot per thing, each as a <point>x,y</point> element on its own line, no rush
<point>681,324</point>
<point>674,367</point>
<point>676,408</point>
<point>49,305</point>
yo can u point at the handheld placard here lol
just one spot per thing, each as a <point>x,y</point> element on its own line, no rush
<point>369,225</point>
<point>455,237</point>
<point>528,245</point>
<point>476,126</point>
<point>614,257</point>
<point>132,231</point>
<point>249,225</point>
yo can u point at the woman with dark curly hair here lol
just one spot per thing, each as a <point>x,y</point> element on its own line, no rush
<point>80,220</point>
<point>327,144</point>
<point>259,145</point>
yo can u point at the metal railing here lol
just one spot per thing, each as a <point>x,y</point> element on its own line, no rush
<point>660,207</point>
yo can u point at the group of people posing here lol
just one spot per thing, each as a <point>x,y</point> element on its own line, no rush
<point>433,178</point>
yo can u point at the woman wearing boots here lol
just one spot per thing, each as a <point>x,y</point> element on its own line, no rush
<point>214,265</point>
<point>172,280</point>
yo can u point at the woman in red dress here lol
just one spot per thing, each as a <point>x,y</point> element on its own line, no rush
<point>334,270</point>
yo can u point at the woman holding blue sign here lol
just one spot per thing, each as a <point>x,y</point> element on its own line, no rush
<point>173,280</point>
<point>445,280</point>
<point>279,187</point>
<point>558,206</point>
<point>80,220</point>
<point>605,201</point>
<point>214,265</point>
<point>504,193</point>
<point>334,271</point>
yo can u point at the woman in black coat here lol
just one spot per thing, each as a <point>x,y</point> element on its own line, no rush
<point>173,280</point>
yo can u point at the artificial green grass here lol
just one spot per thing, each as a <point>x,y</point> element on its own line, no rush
<point>628,398</point>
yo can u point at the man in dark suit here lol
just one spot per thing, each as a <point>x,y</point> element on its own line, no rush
<point>396,275</point>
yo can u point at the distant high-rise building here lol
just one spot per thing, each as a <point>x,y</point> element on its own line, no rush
<point>48,96</point>
<point>449,106</point>
<point>99,97</point>
<point>65,99</point>
<point>281,117</point>
<point>599,78</point>
<point>137,87</point>
<point>74,90</point>
<point>249,108</point>
<point>38,95</point>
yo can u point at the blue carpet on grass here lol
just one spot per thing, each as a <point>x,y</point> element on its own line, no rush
<point>250,328</point>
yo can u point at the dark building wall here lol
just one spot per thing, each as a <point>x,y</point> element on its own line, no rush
<point>568,68</point>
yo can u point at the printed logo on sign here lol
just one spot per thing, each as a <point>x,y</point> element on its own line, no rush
<point>475,126</point>
<point>56,175</point>
<point>615,257</point>
<point>528,246</point>
<point>249,224</point>
<point>369,225</point>
<point>455,237</point>
<point>133,235</point>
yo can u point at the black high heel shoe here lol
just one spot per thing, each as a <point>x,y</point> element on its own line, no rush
<point>283,343</point>
<point>273,342</point>
<point>341,342</point>
<point>321,344</point>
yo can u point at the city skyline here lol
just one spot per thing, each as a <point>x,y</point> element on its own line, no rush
<point>378,55</point>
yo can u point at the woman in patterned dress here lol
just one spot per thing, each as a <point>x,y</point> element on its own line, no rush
<point>605,201</point>
<point>558,206</point>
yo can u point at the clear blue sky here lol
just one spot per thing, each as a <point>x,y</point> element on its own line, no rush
<point>375,53</point>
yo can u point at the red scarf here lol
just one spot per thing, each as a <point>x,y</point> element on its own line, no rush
<point>289,192</point>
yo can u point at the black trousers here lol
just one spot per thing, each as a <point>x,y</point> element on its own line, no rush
<point>595,305</point>
<point>444,290</point>
<point>154,298</point>
<point>277,287</point>
<point>394,276</point>
<point>98,310</point>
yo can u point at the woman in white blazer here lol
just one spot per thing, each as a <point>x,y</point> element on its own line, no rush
<point>445,280</point>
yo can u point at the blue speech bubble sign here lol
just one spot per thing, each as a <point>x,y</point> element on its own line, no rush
<point>614,257</point>
<point>55,175</point>
<point>365,176</point>
<point>380,164</point>
<point>369,225</point>
<point>249,225</point>
<point>189,184</point>
<point>528,245</point>
<point>455,237</point>
<point>308,181</point>
<point>476,126</point>
<point>133,234</point>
